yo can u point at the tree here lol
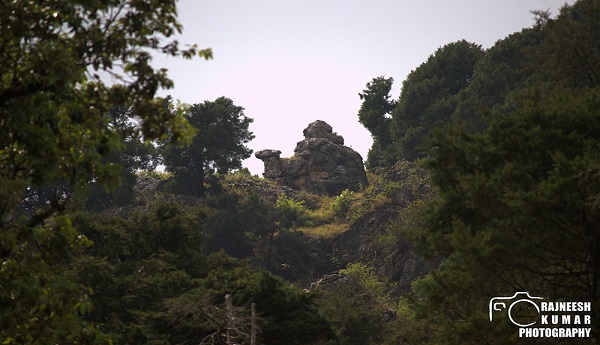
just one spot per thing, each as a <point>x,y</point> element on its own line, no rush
<point>429,97</point>
<point>374,114</point>
<point>132,155</point>
<point>289,315</point>
<point>55,130</point>
<point>517,210</point>
<point>358,306</point>
<point>517,205</point>
<point>219,145</point>
<point>504,71</point>
<point>569,55</point>
<point>138,261</point>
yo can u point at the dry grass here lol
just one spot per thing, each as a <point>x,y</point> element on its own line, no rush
<point>328,231</point>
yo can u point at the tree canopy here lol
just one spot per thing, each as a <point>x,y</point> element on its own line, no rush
<point>517,200</point>
<point>517,210</point>
<point>374,114</point>
<point>428,99</point>
<point>154,284</point>
<point>219,145</point>
<point>55,129</point>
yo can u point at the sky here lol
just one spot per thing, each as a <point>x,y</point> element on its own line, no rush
<point>289,63</point>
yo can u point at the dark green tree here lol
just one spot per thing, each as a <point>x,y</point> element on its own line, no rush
<point>219,146</point>
<point>237,221</point>
<point>359,320</point>
<point>375,114</point>
<point>137,262</point>
<point>517,210</point>
<point>54,129</point>
<point>504,71</point>
<point>517,207</point>
<point>132,155</point>
<point>288,315</point>
<point>569,55</point>
<point>429,97</point>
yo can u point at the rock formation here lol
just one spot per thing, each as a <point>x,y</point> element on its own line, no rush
<point>321,163</point>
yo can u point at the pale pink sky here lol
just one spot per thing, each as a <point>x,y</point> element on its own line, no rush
<point>289,63</point>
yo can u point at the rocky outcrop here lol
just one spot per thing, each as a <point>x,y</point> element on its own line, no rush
<point>321,163</point>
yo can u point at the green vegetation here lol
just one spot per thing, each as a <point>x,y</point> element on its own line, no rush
<point>153,284</point>
<point>514,170</point>
<point>97,247</point>
<point>428,99</point>
<point>359,307</point>
<point>55,136</point>
<point>515,212</point>
<point>220,147</point>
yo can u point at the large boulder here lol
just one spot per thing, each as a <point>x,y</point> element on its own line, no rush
<point>321,163</point>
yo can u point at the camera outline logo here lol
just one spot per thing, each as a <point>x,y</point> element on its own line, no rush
<point>498,304</point>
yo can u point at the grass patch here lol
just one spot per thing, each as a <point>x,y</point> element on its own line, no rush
<point>328,231</point>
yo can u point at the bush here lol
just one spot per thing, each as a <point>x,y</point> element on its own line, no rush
<point>290,212</point>
<point>341,203</point>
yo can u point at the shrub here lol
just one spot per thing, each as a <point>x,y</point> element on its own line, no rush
<point>290,212</point>
<point>341,203</point>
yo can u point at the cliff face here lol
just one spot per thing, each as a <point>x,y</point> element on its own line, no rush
<point>398,262</point>
<point>321,163</point>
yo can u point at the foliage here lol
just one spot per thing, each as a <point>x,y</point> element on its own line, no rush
<point>517,174</point>
<point>359,307</point>
<point>504,71</point>
<point>152,283</point>
<point>396,187</point>
<point>137,262</point>
<point>375,112</point>
<point>341,203</point>
<point>244,224</point>
<point>131,154</point>
<point>569,55</point>
<point>55,131</point>
<point>290,212</point>
<point>517,211</point>
<point>490,80</point>
<point>239,175</point>
<point>41,304</point>
<point>238,223</point>
<point>326,230</point>
<point>429,97</point>
<point>219,146</point>
<point>287,314</point>
<point>155,174</point>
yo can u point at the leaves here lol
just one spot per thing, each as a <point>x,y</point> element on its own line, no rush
<point>219,145</point>
<point>429,97</point>
<point>56,134</point>
<point>514,213</point>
